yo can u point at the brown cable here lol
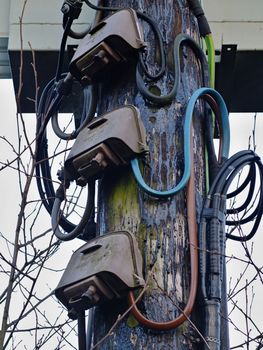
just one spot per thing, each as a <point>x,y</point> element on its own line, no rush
<point>192,229</point>
<point>215,108</point>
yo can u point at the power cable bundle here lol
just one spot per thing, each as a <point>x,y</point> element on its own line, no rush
<point>48,106</point>
<point>212,231</point>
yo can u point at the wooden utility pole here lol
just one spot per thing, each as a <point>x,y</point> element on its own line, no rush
<point>160,226</point>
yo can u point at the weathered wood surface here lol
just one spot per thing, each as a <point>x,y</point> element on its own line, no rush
<point>160,226</point>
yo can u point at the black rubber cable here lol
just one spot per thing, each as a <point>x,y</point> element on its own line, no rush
<point>43,172</point>
<point>57,214</point>
<point>48,106</point>
<point>180,40</point>
<point>73,34</point>
<point>62,48</point>
<point>219,189</point>
<point>198,11</point>
<point>223,180</point>
<point>249,178</point>
<point>90,97</point>
<point>81,330</point>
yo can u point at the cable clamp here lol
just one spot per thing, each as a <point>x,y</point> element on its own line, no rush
<point>72,8</point>
<point>212,213</point>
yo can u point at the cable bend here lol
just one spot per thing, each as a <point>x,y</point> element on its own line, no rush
<point>192,229</point>
<point>91,95</point>
<point>187,149</point>
<point>56,214</point>
<point>180,40</point>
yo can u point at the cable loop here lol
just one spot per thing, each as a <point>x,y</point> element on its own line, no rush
<point>187,148</point>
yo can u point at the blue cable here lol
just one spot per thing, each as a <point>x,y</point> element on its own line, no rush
<point>187,141</point>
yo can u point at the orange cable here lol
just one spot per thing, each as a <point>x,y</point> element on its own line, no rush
<point>192,229</point>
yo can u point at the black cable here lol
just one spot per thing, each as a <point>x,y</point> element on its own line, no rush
<point>216,210</point>
<point>258,211</point>
<point>62,48</point>
<point>180,40</point>
<point>49,101</point>
<point>81,330</point>
<point>57,214</point>
<point>89,108</point>
<point>73,34</point>
<point>250,176</point>
<point>212,219</point>
<point>198,11</point>
<point>249,196</point>
<point>48,106</point>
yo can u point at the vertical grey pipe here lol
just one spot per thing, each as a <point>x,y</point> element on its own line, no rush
<point>212,324</point>
<point>89,329</point>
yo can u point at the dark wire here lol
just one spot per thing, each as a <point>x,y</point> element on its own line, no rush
<point>212,222</point>
<point>220,186</point>
<point>256,215</point>
<point>72,33</point>
<point>180,40</point>
<point>62,48</point>
<point>203,24</point>
<point>90,94</point>
<point>48,106</point>
<point>251,181</point>
<point>81,330</point>
<point>56,214</point>
<point>43,172</point>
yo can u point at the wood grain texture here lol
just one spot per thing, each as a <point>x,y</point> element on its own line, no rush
<point>160,226</point>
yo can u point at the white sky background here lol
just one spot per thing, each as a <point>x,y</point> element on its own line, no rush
<point>241,129</point>
<point>10,201</point>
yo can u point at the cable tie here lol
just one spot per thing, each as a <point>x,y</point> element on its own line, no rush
<point>212,213</point>
<point>60,193</point>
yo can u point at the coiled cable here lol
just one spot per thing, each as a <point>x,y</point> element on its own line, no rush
<point>90,94</point>
<point>85,218</point>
